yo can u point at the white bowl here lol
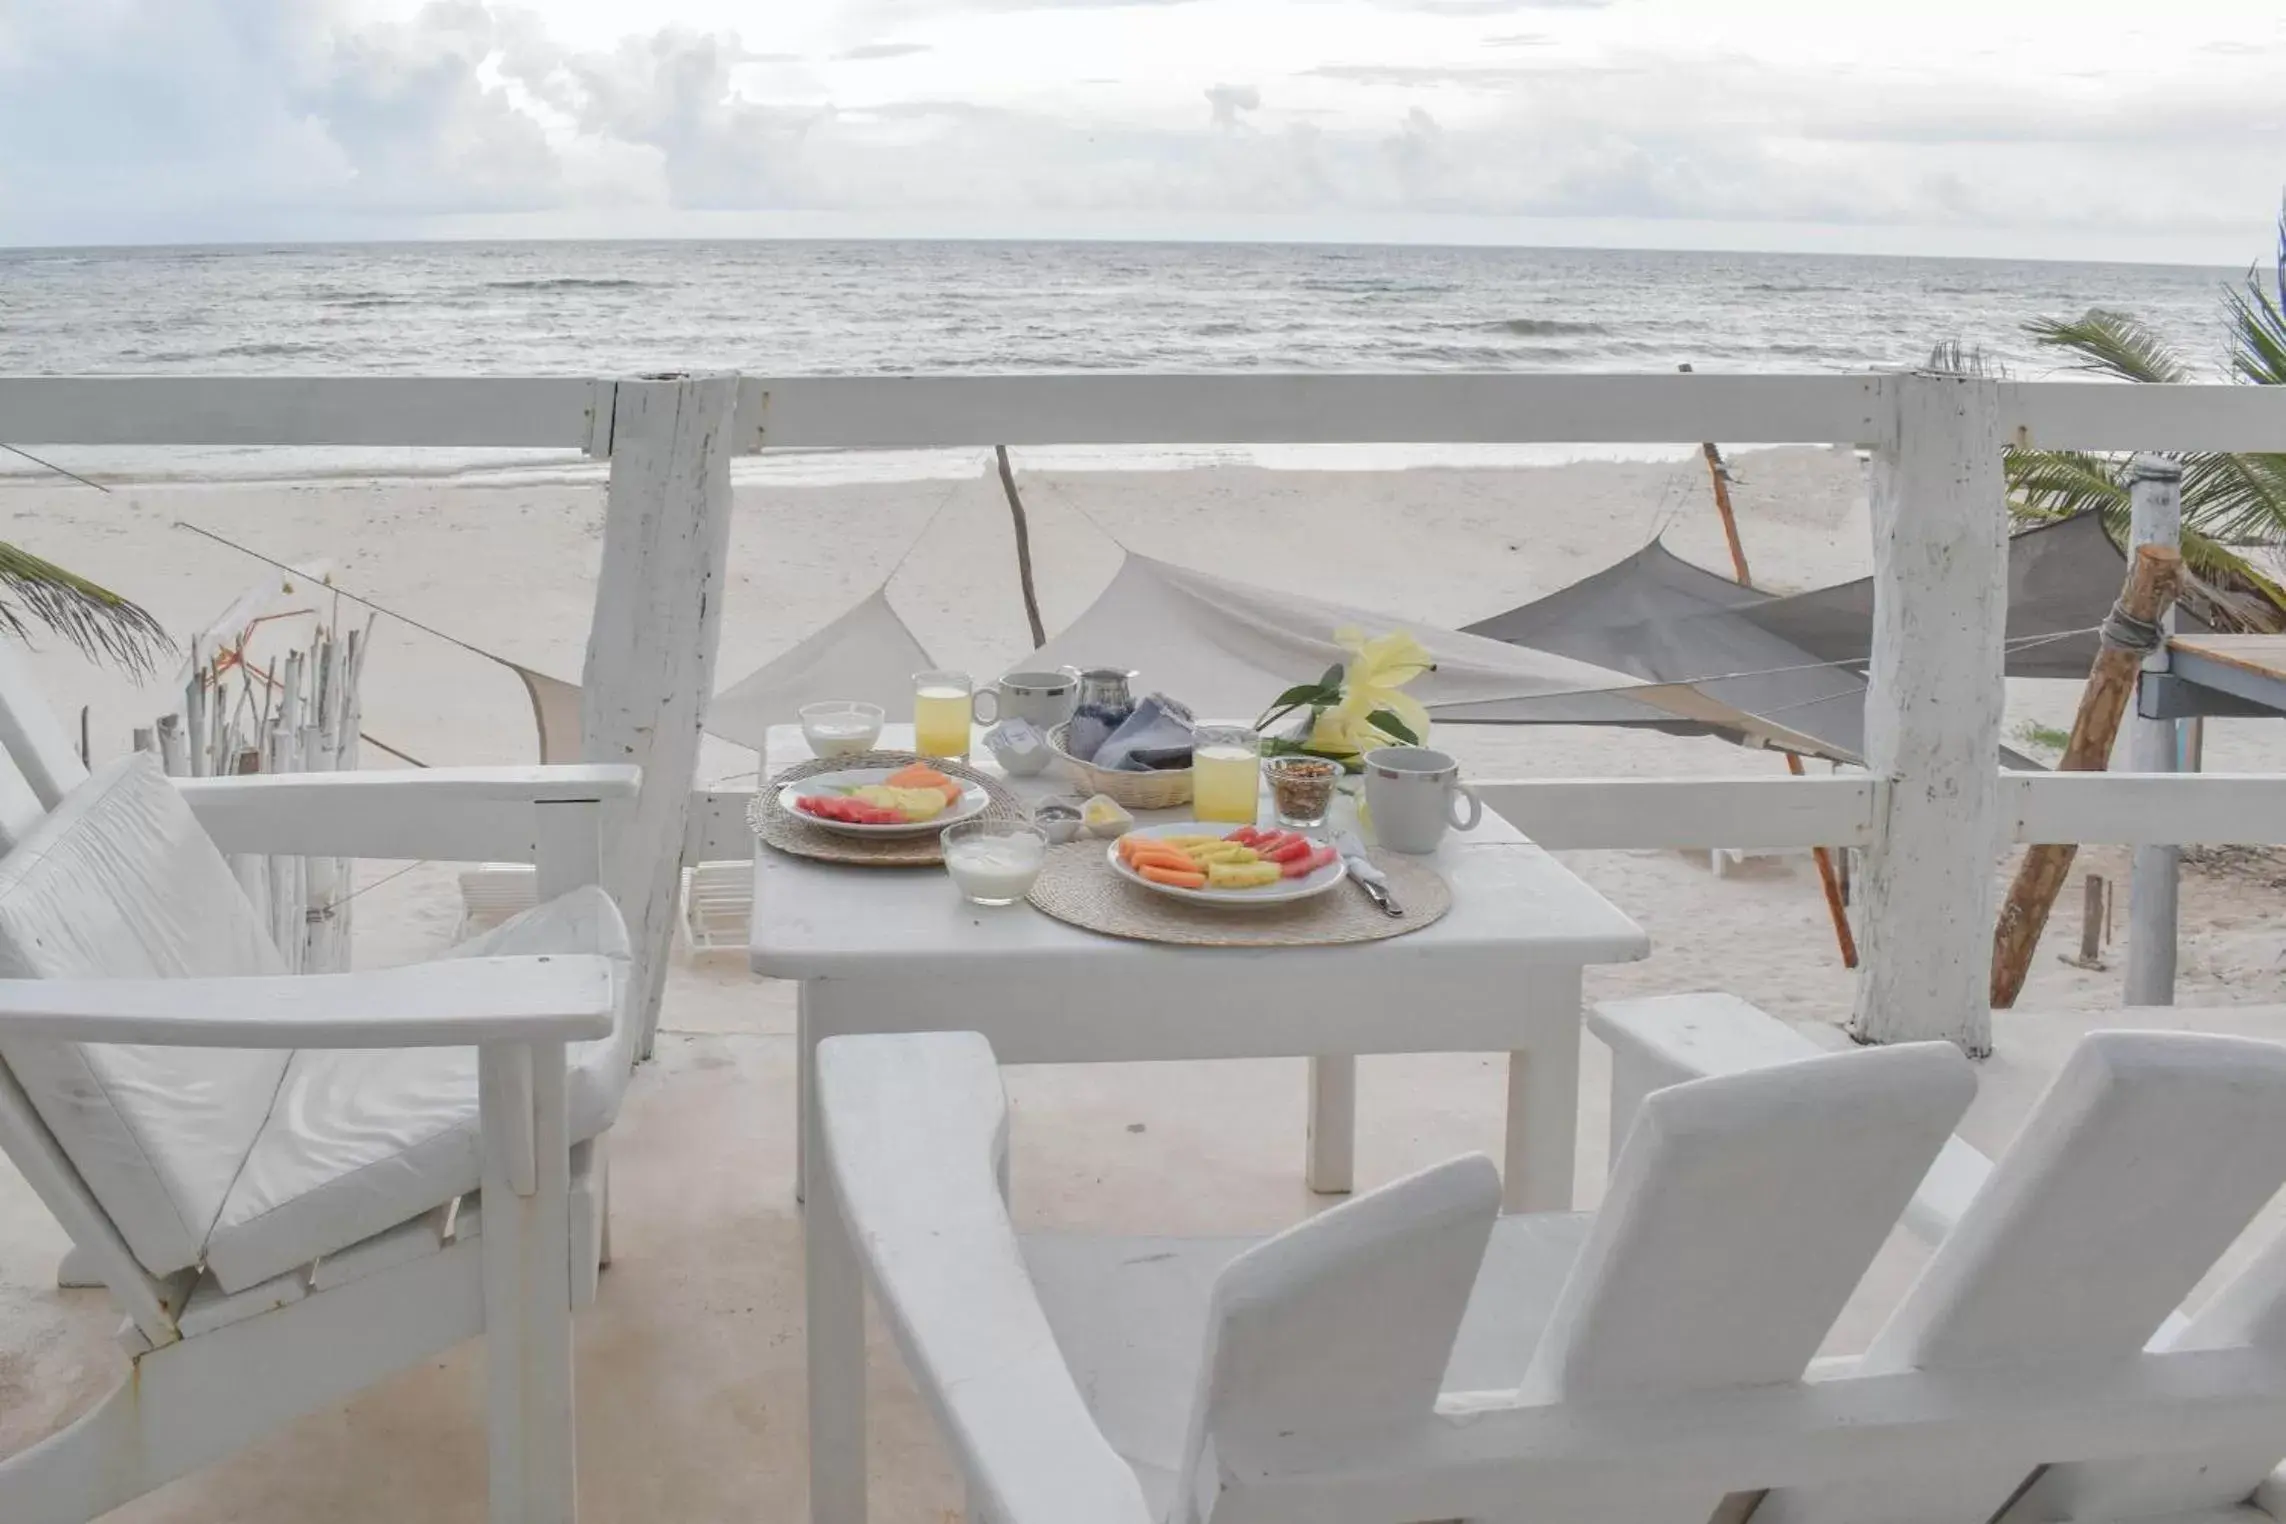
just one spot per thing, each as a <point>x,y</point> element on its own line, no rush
<point>841,727</point>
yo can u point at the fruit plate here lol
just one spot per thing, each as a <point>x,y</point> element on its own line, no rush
<point>973,802</point>
<point>1285,892</point>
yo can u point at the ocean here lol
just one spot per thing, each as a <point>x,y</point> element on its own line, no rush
<point>877,308</point>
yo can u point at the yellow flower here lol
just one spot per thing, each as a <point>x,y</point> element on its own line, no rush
<point>1372,678</point>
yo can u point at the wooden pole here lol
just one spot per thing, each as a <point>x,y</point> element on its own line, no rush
<point>1023,548</point>
<point>1932,711</point>
<point>651,646</point>
<point>2150,592</point>
<point>1828,879</point>
<point>1721,474</point>
<point>2155,499</point>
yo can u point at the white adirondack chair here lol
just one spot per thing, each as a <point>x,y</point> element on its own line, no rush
<point>1414,1355</point>
<point>293,1187</point>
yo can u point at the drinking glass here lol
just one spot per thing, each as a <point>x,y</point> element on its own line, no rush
<point>1226,773</point>
<point>943,703</point>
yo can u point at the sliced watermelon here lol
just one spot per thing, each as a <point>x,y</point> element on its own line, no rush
<point>1309,863</point>
<point>1292,849</point>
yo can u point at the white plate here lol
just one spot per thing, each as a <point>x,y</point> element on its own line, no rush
<point>973,802</point>
<point>1284,892</point>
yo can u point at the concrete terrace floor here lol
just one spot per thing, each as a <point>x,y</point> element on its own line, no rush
<point>690,1374</point>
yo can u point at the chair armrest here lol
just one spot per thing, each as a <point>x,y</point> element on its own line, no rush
<point>1669,1039</point>
<point>913,1130</point>
<point>445,814</point>
<point>453,1003</point>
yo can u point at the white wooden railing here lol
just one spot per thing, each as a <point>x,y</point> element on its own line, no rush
<point>1928,818</point>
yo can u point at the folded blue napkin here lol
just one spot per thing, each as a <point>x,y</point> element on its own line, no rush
<point>1156,736</point>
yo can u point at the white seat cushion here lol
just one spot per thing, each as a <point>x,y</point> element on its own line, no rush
<point>120,882</point>
<point>361,1140</point>
<point>1130,1316</point>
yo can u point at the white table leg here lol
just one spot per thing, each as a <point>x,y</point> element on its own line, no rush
<point>836,1319</point>
<point>1332,1166</point>
<point>805,1089</point>
<point>1544,1104</point>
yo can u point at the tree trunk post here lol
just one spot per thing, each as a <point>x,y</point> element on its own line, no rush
<point>2150,592</point>
<point>1932,712</point>
<point>1023,548</point>
<point>2155,496</point>
<point>651,646</point>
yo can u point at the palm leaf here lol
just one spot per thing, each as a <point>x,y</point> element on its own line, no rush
<point>2257,334</point>
<point>99,622</point>
<point>2112,344</point>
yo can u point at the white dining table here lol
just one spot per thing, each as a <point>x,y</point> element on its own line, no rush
<point>898,950</point>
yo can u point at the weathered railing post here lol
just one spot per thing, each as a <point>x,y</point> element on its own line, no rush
<point>650,649</point>
<point>1932,713</point>
<point>2155,498</point>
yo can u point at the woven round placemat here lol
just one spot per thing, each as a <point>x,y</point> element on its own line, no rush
<point>776,826</point>
<point>1078,887</point>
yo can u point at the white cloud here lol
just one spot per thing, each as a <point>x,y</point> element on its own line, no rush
<point>1226,102</point>
<point>194,119</point>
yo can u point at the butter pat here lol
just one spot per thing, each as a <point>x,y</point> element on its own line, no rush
<point>1104,816</point>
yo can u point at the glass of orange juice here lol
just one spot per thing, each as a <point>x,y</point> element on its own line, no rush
<point>942,705</point>
<point>1226,773</point>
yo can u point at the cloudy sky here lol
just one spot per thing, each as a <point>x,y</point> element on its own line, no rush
<point>2046,128</point>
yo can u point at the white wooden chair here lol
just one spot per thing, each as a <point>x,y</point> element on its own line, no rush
<point>1415,1355</point>
<point>293,1187</point>
<point>718,906</point>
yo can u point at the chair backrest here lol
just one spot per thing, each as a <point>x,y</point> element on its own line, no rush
<point>2146,1158</point>
<point>2250,1312</point>
<point>1743,1211</point>
<point>120,881</point>
<point>34,740</point>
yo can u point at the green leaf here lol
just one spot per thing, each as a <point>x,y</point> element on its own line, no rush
<point>1386,721</point>
<point>1332,679</point>
<point>1305,693</point>
<point>2112,344</point>
<point>92,617</point>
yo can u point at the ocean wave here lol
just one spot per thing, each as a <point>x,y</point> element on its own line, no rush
<point>268,351</point>
<point>1544,328</point>
<point>566,283</point>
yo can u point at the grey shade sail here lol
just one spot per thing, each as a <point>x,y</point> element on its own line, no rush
<point>1796,661</point>
<point>2062,579</point>
<point>1226,649</point>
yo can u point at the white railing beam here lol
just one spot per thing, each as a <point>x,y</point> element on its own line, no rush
<point>1932,715</point>
<point>919,412</point>
<point>904,412</point>
<point>1701,813</point>
<point>469,412</point>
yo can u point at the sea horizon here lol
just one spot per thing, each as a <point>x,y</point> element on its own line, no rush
<point>878,306</point>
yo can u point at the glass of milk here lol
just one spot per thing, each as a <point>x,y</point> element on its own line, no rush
<point>841,727</point>
<point>993,862</point>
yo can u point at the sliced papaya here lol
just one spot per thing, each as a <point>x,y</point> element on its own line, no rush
<point>921,775</point>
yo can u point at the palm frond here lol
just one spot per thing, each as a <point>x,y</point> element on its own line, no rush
<point>2257,334</point>
<point>2056,484</point>
<point>2111,344</point>
<point>103,625</point>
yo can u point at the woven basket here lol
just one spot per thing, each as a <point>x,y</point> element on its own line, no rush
<point>1137,791</point>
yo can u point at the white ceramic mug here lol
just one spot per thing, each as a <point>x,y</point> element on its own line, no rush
<point>1414,794</point>
<point>1044,698</point>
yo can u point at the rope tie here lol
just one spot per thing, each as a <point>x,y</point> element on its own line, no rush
<point>2122,631</point>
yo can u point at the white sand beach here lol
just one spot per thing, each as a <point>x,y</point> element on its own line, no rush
<point>509,567</point>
